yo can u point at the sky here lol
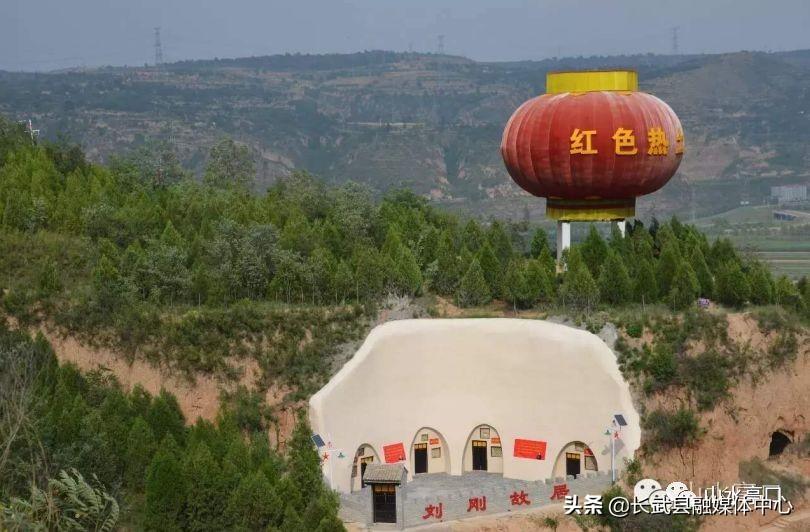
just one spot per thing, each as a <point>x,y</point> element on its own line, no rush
<point>44,35</point>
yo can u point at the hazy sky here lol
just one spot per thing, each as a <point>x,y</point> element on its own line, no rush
<point>48,34</point>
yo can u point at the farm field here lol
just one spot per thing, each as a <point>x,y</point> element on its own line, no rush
<point>783,245</point>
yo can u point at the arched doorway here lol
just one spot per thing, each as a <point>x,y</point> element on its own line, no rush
<point>365,455</point>
<point>429,452</point>
<point>779,441</point>
<point>483,451</point>
<point>574,459</point>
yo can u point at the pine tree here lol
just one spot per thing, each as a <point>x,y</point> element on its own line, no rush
<point>473,289</point>
<point>207,490</point>
<point>500,242</point>
<point>732,285</point>
<point>447,269</point>
<point>165,417</point>
<point>140,450</point>
<point>787,294</point>
<point>722,252</point>
<point>292,521</point>
<point>759,278</point>
<point>165,489</point>
<point>593,250</point>
<point>472,236</point>
<point>615,286</point>
<point>491,268</point>
<point>684,288</point>
<point>578,288</point>
<point>407,274</point>
<point>539,242</point>
<point>254,505</point>
<point>517,290</point>
<point>540,280</point>
<point>701,269</point>
<point>667,264</point>
<point>304,462</point>
<point>645,289</point>
<point>171,237</point>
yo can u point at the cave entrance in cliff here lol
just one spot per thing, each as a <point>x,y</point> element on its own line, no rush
<point>779,441</point>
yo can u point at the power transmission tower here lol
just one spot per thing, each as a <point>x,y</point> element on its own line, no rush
<point>158,48</point>
<point>675,40</point>
<point>440,45</point>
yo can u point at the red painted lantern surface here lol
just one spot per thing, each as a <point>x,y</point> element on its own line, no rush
<point>592,144</point>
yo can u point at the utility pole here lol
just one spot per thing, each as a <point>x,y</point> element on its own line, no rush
<point>158,48</point>
<point>440,45</point>
<point>675,40</point>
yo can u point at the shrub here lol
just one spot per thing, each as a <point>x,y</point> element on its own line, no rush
<point>669,430</point>
<point>635,330</point>
<point>708,378</point>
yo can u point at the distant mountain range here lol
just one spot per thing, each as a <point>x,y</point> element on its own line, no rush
<point>431,123</point>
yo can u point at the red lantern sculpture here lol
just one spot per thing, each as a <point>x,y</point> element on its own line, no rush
<point>591,145</point>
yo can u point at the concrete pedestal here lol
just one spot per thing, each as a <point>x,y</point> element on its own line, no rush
<point>563,238</point>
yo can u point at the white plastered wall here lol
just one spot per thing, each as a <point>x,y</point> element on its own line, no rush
<point>527,379</point>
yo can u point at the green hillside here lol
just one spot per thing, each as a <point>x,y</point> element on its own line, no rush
<point>430,123</point>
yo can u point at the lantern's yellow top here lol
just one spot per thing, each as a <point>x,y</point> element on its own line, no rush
<point>593,80</point>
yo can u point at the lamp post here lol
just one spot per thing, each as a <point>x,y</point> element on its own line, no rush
<point>612,431</point>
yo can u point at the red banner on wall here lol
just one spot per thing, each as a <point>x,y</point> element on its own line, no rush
<point>534,449</point>
<point>394,453</point>
<point>434,441</point>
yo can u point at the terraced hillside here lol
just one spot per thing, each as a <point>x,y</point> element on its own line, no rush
<point>427,122</point>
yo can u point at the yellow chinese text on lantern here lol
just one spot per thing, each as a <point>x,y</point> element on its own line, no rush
<point>679,142</point>
<point>582,143</point>
<point>657,140</point>
<point>625,142</point>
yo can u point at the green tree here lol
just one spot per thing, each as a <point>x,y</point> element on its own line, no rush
<point>615,286</point>
<point>500,242</point>
<point>759,278</point>
<point>732,284</point>
<point>701,269</point>
<point>578,289</point>
<point>208,491</point>
<point>787,294</point>
<point>473,289</point>
<point>684,288</point>
<point>593,250</point>
<point>165,489</point>
<point>446,274</point>
<point>539,243</point>
<point>472,236</point>
<point>516,286</point>
<point>230,163</point>
<point>165,417</point>
<point>304,464</point>
<point>140,450</point>
<point>254,505</point>
<point>645,289</point>
<point>292,521</point>
<point>491,268</point>
<point>540,280</point>
<point>668,263</point>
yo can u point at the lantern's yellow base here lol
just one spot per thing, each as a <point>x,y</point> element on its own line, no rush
<point>591,80</point>
<point>590,210</point>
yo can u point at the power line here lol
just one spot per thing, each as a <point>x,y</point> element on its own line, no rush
<point>158,48</point>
